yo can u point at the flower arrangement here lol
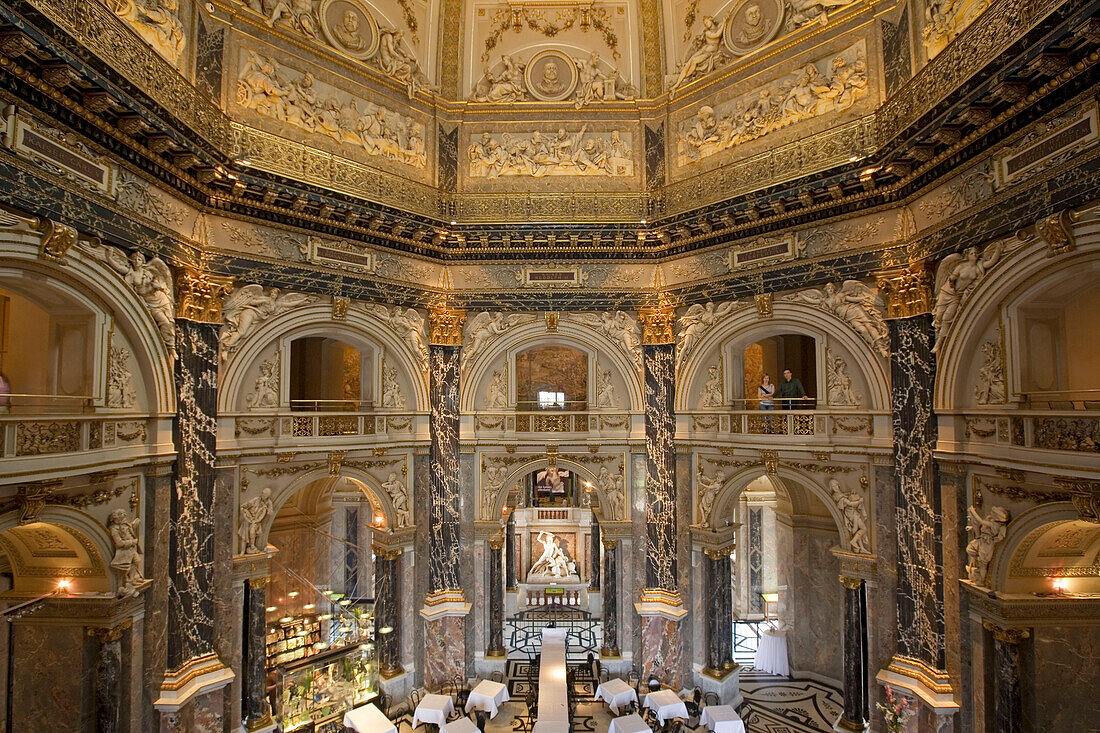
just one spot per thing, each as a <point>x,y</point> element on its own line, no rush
<point>895,710</point>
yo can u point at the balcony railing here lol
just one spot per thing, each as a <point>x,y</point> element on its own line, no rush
<point>1072,431</point>
<point>546,421</point>
<point>795,424</point>
<point>300,425</point>
<point>44,435</point>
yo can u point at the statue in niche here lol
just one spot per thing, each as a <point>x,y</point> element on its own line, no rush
<point>156,21</point>
<point>505,85</point>
<point>712,389</point>
<point>855,517</point>
<point>605,389</point>
<point>990,388</point>
<point>127,558</point>
<point>704,56</point>
<point>254,513</point>
<point>249,306</point>
<point>985,534</point>
<point>120,383</point>
<point>554,563</point>
<point>152,281</point>
<point>399,497</point>
<point>955,277</point>
<point>709,486</point>
<point>495,476</point>
<point>391,390</point>
<point>611,486</point>
<point>497,399</point>
<point>298,14</point>
<point>838,384</point>
<point>265,394</point>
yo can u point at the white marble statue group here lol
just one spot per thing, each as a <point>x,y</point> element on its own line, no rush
<point>597,81</point>
<point>554,563</point>
<point>299,100</point>
<point>560,153</point>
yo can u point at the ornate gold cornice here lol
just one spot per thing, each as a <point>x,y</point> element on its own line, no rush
<point>445,326</point>
<point>199,295</point>
<point>908,290</point>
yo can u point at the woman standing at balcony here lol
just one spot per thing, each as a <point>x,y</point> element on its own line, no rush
<point>765,392</point>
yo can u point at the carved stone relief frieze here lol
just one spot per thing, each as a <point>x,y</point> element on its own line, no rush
<point>297,99</point>
<point>483,328</point>
<point>838,383</point>
<point>157,22</point>
<point>696,322</point>
<point>856,304</point>
<point>406,323</point>
<point>617,326</point>
<point>560,153</point>
<point>990,387</point>
<point>552,76</point>
<point>392,396</point>
<point>249,306</point>
<point>956,277</point>
<point>825,86</point>
<point>120,382</point>
<point>265,392</point>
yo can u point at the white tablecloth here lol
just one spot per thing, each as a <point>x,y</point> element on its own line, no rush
<point>722,719</point>
<point>550,726</point>
<point>667,705</point>
<point>488,695</point>
<point>616,693</point>
<point>632,723</point>
<point>462,725</point>
<point>553,690</point>
<point>771,654</point>
<point>433,709</point>
<point>368,719</point>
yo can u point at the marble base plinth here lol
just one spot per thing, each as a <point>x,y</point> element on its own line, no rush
<point>619,665</point>
<point>397,687</point>
<point>843,725</point>
<point>662,651</point>
<point>484,664</point>
<point>267,726</point>
<point>727,687</point>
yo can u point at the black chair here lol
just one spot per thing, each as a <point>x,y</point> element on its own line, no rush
<point>711,698</point>
<point>481,717</point>
<point>414,699</point>
<point>497,677</point>
<point>693,705</point>
<point>461,698</point>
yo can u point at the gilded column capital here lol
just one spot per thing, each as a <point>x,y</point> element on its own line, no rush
<point>609,544</point>
<point>57,239</point>
<point>1007,635</point>
<point>717,553</point>
<point>496,542</point>
<point>850,582</point>
<point>657,325</point>
<point>445,326</point>
<point>908,289</point>
<point>112,633</point>
<point>260,582</point>
<point>388,553</point>
<point>199,295</point>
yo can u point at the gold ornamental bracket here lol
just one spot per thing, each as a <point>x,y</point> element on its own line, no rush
<point>57,239</point>
<point>199,295</point>
<point>908,289</point>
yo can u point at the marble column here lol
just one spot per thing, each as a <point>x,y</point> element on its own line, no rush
<point>610,598</point>
<point>510,551</point>
<point>755,560</point>
<point>193,667</point>
<point>855,715</point>
<point>387,616</point>
<point>495,646</point>
<point>594,556</point>
<point>445,607</point>
<point>108,679</point>
<point>718,600</point>
<point>256,712</point>
<point>660,607</point>
<point>1007,710</point>
<point>919,663</point>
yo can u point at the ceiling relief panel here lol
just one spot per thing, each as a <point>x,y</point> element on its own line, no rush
<point>705,35</point>
<point>159,24</point>
<point>945,19</point>
<point>319,111</point>
<point>825,86</point>
<point>386,34</point>
<point>561,153</point>
<point>551,52</point>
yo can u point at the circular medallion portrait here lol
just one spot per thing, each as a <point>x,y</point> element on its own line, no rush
<point>752,23</point>
<point>349,27</point>
<point>551,76</point>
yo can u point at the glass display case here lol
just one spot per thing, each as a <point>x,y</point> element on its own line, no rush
<point>313,693</point>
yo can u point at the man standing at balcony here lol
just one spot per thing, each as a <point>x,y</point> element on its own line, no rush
<point>789,389</point>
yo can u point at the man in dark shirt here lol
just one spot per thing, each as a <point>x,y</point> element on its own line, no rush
<point>789,387</point>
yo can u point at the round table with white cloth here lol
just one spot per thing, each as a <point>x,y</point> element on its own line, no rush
<point>667,705</point>
<point>489,696</point>
<point>368,719</point>
<point>433,709</point>
<point>771,653</point>
<point>632,723</point>
<point>616,693</point>
<point>722,719</point>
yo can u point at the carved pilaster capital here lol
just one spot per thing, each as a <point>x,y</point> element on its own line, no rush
<point>258,583</point>
<point>1085,495</point>
<point>609,544</point>
<point>718,553</point>
<point>388,553</point>
<point>199,295</point>
<point>657,325</point>
<point>908,290</point>
<point>113,633</point>
<point>851,583</point>
<point>496,542</point>
<point>445,326</point>
<point>1006,635</point>
<point>764,305</point>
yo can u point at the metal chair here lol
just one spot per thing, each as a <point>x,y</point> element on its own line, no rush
<point>711,698</point>
<point>497,677</point>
